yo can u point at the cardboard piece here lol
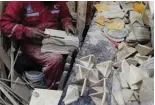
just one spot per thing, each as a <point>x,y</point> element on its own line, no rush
<point>133,98</point>
<point>148,67</point>
<point>125,66</point>
<point>82,73</point>
<point>136,17</point>
<point>140,59</point>
<point>61,36</point>
<point>100,98</point>
<point>45,97</point>
<point>21,90</point>
<point>72,94</point>
<point>124,51</point>
<point>142,33</point>
<point>98,86</point>
<point>127,94</point>
<point>134,75</point>
<point>134,87</point>
<point>126,6</point>
<point>138,33</point>
<point>97,98</point>
<point>93,76</point>
<point>105,68</point>
<point>143,50</point>
<point>59,42</point>
<point>123,79</point>
<point>132,61</point>
<point>87,61</point>
<point>118,97</point>
<point>84,87</point>
<point>83,84</point>
<point>146,93</point>
<point>116,86</point>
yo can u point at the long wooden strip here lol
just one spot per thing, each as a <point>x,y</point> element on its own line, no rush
<point>9,96</point>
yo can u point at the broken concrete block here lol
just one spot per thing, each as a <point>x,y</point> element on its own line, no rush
<point>143,50</point>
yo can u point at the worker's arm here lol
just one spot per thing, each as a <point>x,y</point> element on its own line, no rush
<point>10,23</point>
<point>65,18</point>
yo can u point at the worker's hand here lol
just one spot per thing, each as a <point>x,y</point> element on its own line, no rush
<point>70,28</point>
<point>37,34</point>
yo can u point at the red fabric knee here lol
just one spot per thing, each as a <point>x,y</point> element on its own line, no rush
<point>53,69</point>
<point>52,64</point>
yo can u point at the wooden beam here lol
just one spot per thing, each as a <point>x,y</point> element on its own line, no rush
<point>5,58</point>
<point>81,18</point>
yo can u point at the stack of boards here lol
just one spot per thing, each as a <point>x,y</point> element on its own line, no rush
<point>59,42</point>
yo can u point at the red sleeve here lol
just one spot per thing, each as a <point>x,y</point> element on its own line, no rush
<point>10,21</point>
<point>64,14</point>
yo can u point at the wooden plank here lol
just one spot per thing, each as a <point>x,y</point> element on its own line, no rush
<point>21,90</point>
<point>12,100</point>
<point>1,8</point>
<point>81,17</point>
<point>5,58</point>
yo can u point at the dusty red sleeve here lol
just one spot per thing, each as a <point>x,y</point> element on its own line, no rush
<point>65,15</point>
<point>10,21</point>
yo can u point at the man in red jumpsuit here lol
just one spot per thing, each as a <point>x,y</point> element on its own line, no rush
<point>26,21</point>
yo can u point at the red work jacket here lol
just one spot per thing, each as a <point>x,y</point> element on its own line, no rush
<point>20,16</point>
